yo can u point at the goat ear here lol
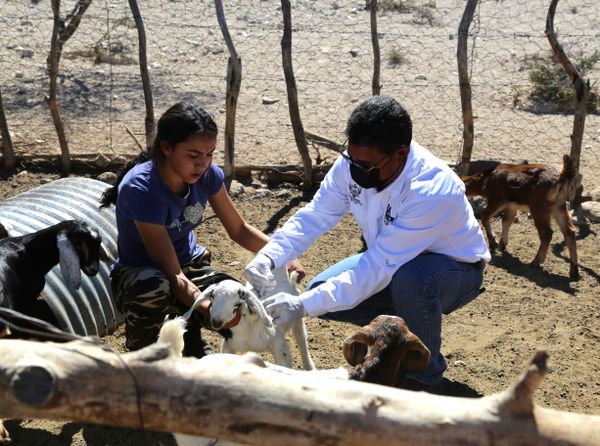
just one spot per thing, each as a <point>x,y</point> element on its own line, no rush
<point>255,305</point>
<point>103,255</point>
<point>206,294</point>
<point>355,348</point>
<point>69,261</point>
<point>417,355</point>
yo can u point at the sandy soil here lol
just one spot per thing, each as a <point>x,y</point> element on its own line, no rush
<point>489,342</point>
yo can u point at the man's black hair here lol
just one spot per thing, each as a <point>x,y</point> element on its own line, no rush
<point>380,122</point>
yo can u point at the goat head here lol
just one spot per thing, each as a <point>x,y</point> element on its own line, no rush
<point>383,351</point>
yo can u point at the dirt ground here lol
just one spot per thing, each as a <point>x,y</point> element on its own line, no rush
<point>487,344</point>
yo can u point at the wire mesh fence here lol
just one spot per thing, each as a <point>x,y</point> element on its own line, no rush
<point>100,91</point>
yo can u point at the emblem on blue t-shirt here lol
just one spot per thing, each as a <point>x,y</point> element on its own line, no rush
<point>191,214</point>
<point>355,191</point>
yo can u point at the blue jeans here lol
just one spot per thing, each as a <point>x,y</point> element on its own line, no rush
<point>420,291</point>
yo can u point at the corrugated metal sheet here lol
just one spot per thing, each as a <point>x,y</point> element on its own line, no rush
<point>91,309</point>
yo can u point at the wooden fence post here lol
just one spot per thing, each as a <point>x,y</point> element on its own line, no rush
<point>61,32</point>
<point>139,24</point>
<point>234,82</point>
<point>8,152</point>
<point>376,85</point>
<point>286,51</point>
<point>581,87</point>
<point>465,86</point>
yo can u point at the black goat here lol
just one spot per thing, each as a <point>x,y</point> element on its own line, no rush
<point>25,261</point>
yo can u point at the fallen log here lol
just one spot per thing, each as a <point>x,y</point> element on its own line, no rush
<point>86,382</point>
<point>269,173</point>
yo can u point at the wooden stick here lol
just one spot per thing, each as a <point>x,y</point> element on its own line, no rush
<point>137,141</point>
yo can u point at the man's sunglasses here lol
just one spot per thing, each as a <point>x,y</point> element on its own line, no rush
<point>358,165</point>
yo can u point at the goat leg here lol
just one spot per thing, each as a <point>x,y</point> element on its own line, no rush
<point>4,437</point>
<point>507,220</point>
<point>225,347</point>
<point>542,223</point>
<point>281,351</point>
<point>561,215</point>
<point>487,215</point>
<point>299,331</point>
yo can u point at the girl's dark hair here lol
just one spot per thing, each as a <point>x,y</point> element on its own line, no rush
<point>380,122</point>
<point>180,122</point>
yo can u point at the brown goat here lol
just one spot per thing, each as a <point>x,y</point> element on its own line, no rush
<point>383,351</point>
<point>538,188</point>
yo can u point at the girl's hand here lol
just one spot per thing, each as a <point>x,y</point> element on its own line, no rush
<point>184,290</point>
<point>295,265</point>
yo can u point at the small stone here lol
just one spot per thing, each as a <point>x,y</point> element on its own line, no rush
<point>269,101</point>
<point>283,193</point>
<point>591,210</point>
<point>27,53</point>
<point>353,52</point>
<point>101,161</point>
<point>595,194</point>
<point>108,177</point>
<point>420,77</point>
<point>236,189</point>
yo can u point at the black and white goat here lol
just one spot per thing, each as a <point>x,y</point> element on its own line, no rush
<point>25,260</point>
<point>237,312</point>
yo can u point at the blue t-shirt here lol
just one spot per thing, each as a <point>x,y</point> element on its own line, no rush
<point>145,197</point>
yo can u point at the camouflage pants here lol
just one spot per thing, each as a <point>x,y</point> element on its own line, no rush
<point>144,297</point>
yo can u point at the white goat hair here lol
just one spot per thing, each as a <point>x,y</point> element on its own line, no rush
<point>255,330</point>
<point>171,334</point>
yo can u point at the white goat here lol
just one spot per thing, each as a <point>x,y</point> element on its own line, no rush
<point>237,312</point>
<point>171,334</point>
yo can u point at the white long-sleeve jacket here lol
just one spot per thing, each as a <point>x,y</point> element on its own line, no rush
<point>423,210</point>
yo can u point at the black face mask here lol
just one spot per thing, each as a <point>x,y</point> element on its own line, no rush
<point>367,179</point>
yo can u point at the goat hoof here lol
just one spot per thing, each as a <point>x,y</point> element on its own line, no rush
<point>574,274</point>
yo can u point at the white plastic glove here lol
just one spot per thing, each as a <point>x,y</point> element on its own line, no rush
<point>284,308</point>
<point>258,273</point>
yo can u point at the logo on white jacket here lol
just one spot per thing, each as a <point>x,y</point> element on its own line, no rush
<point>387,218</point>
<point>355,191</point>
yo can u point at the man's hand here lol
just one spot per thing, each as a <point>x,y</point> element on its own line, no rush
<point>258,273</point>
<point>284,308</point>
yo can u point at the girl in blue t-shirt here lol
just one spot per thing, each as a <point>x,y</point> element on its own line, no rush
<point>160,198</point>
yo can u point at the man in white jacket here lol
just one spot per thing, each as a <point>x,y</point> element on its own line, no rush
<point>426,250</point>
